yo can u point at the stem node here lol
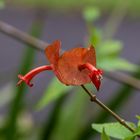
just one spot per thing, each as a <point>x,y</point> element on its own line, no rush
<point>102,105</point>
<point>93,98</point>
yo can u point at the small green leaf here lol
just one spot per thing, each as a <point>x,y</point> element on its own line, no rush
<point>137,132</point>
<point>138,123</point>
<point>115,130</point>
<point>91,14</point>
<point>117,64</point>
<point>104,136</point>
<point>54,90</point>
<point>134,135</point>
<point>138,117</point>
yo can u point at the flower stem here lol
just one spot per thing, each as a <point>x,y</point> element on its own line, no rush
<point>117,117</point>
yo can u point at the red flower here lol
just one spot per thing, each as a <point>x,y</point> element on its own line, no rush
<point>74,67</point>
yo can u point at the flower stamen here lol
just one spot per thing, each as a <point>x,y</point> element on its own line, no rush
<point>95,74</point>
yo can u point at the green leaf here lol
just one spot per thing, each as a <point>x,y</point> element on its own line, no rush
<point>134,135</point>
<point>110,47</point>
<point>130,138</point>
<point>104,136</point>
<point>138,117</point>
<point>115,130</point>
<point>137,132</point>
<point>117,64</point>
<point>91,14</point>
<point>54,90</point>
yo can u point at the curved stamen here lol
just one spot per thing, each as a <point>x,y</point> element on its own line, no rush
<point>95,74</point>
<point>88,66</point>
<point>29,76</point>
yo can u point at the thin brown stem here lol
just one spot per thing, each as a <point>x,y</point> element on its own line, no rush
<point>93,98</point>
<point>40,45</point>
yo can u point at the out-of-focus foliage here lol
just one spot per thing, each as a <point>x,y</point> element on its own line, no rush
<point>108,57</point>
<point>54,90</point>
<point>108,50</point>
<point>71,118</point>
<point>91,14</point>
<point>2,4</point>
<point>138,117</point>
<point>72,5</point>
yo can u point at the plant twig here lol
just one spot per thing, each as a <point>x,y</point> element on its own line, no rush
<point>93,98</point>
<point>40,45</point>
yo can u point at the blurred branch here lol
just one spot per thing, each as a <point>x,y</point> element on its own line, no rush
<point>124,78</point>
<point>40,45</point>
<point>22,36</point>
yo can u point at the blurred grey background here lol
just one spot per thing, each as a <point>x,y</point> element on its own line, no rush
<point>70,28</point>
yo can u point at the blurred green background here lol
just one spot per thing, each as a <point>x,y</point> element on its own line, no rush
<point>50,110</point>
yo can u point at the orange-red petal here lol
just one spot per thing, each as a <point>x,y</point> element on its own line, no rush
<point>52,52</point>
<point>68,65</point>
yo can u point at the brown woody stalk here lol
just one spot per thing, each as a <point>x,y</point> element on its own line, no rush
<point>93,98</point>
